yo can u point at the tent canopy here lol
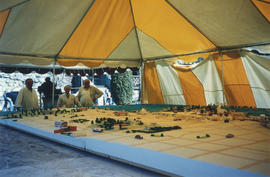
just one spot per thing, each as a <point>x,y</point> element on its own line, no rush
<point>123,33</point>
<point>153,34</point>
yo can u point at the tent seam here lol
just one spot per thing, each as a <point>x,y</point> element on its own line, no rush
<point>20,3</point>
<point>56,56</point>
<point>190,22</point>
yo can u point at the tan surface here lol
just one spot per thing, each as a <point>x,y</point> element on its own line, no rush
<point>248,150</point>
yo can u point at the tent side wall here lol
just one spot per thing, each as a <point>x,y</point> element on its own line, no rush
<point>245,81</point>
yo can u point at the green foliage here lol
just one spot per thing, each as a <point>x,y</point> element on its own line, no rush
<point>122,88</point>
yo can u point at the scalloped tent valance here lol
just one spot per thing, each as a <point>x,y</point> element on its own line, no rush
<point>82,71</point>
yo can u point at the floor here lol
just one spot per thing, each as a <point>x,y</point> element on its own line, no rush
<point>24,155</point>
<point>249,149</point>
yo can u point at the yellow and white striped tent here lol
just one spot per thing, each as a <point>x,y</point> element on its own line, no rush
<point>152,34</point>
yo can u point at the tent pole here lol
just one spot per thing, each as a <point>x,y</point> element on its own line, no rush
<point>222,77</point>
<point>54,63</point>
<point>141,83</point>
<point>140,50</point>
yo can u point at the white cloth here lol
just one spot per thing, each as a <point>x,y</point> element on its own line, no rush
<point>68,101</point>
<point>87,96</point>
<point>27,99</point>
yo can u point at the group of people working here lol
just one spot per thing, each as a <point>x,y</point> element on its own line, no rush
<point>27,98</point>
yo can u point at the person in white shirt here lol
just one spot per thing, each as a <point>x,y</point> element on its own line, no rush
<point>68,100</point>
<point>88,94</point>
<point>27,98</point>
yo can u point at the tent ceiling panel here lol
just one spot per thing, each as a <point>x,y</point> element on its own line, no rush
<point>160,21</point>
<point>127,49</point>
<point>226,23</point>
<point>264,7</point>
<point>91,31</point>
<point>41,27</point>
<point>150,46</point>
<point>3,18</point>
<point>103,28</point>
<point>6,4</point>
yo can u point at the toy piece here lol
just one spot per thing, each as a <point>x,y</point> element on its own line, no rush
<point>74,116</point>
<point>97,130</point>
<point>121,126</point>
<point>67,129</point>
<point>138,137</point>
<point>67,134</point>
<point>118,113</point>
<point>80,120</point>
<point>157,129</point>
<point>161,135</point>
<point>229,135</point>
<point>174,109</point>
<point>46,117</point>
<point>226,121</point>
<point>60,124</point>
<point>177,119</point>
<point>140,123</point>
<point>56,112</point>
<point>206,136</point>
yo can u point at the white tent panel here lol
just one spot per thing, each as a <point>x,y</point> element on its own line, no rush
<point>41,27</point>
<point>258,76</point>
<point>128,48</point>
<point>170,84</point>
<point>128,51</point>
<point>207,73</point>
<point>150,46</point>
<point>262,49</point>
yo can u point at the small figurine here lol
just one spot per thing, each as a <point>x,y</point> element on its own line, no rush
<point>138,137</point>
